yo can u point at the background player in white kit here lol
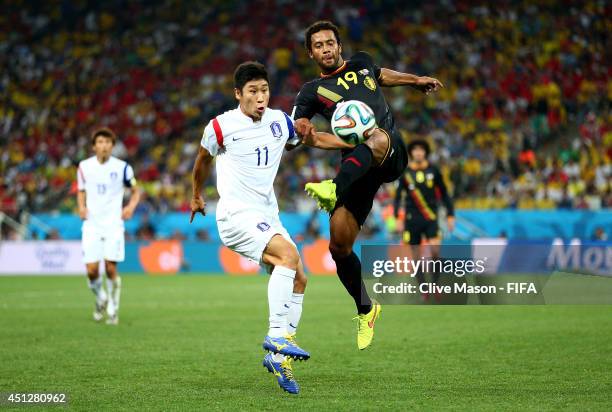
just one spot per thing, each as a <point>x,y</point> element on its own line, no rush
<point>248,143</point>
<point>101,182</point>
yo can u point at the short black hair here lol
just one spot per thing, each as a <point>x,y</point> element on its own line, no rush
<point>317,27</point>
<point>418,143</point>
<point>247,71</point>
<point>103,131</point>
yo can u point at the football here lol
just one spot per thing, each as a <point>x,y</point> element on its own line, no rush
<point>353,121</point>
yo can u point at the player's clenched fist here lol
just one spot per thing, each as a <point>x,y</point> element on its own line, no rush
<point>197,206</point>
<point>428,84</point>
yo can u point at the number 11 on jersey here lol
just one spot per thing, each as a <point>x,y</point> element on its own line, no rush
<point>258,151</point>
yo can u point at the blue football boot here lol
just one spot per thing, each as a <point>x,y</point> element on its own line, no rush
<point>283,372</point>
<point>285,346</point>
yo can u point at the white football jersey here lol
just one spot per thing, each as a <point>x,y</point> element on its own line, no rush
<point>248,155</point>
<point>104,185</point>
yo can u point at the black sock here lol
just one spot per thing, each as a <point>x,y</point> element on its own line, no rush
<point>435,277</point>
<point>349,272</point>
<point>420,277</point>
<point>353,167</point>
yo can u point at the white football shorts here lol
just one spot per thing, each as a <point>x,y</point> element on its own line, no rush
<point>101,244</point>
<point>248,232</point>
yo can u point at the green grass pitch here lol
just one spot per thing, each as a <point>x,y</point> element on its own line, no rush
<point>193,343</point>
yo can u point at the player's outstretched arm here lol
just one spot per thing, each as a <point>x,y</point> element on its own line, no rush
<point>327,141</point>
<point>322,140</point>
<point>201,170</point>
<point>390,78</point>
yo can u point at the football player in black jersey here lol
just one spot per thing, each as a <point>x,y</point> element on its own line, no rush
<point>425,190</point>
<point>381,158</point>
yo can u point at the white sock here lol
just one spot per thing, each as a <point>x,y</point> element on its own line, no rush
<point>114,293</point>
<point>280,288</point>
<point>295,312</point>
<point>97,289</point>
<point>277,357</point>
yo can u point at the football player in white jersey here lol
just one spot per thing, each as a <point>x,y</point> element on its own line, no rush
<point>101,181</point>
<point>248,144</point>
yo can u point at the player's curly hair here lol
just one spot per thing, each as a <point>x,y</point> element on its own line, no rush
<point>317,27</point>
<point>247,71</point>
<point>103,131</point>
<point>418,143</point>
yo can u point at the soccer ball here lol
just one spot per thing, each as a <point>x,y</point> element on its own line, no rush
<point>353,121</point>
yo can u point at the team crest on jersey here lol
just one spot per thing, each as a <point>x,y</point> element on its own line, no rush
<point>263,226</point>
<point>430,178</point>
<point>370,83</point>
<point>277,131</point>
<point>364,72</point>
<point>113,176</point>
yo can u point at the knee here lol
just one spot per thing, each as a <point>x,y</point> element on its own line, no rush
<point>289,258</point>
<point>111,269</point>
<point>377,140</point>
<point>92,271</point>
<point>379,144</point>
<point>339,250</point>
<point>435,252</point>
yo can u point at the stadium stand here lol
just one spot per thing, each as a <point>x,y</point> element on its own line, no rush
<point>524,121</point>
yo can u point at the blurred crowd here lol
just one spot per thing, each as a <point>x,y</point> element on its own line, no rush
<point>524,121</point>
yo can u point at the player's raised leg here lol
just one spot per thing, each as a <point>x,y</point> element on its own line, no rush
<point>344,230</point>
<point>94,281</point>
<point>284,258</point>
<point>372,152</point>
<point>113,285</point>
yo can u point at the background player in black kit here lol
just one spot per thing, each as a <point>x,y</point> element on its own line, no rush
<point>381,158</point>
<point>425,190</point>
